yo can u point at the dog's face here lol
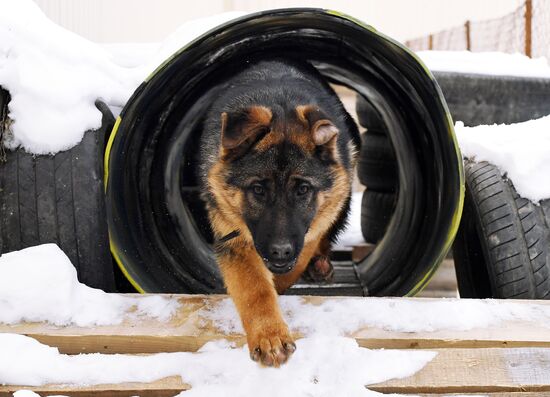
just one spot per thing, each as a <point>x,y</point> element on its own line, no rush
<point>280,173</point>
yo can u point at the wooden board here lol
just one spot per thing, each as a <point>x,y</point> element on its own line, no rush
<point>451,371</point>
<point>508,360</point>
<point>187,331</point>
<point>478,370</point>
<point>171,388</point>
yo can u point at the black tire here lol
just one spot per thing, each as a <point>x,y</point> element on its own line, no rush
<point>155,236</point>
<point>376,211</point>
<point>482,99</point>
<point>59,199</point>
<point>377,165</point>
<point>502,249</point>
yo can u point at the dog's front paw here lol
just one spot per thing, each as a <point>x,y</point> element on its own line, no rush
<point>271,348</point>
<point>319,269</point>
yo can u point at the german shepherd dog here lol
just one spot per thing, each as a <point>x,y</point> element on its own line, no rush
<point>277,154</point>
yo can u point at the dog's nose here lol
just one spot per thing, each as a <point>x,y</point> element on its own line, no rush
<point>281,252</point>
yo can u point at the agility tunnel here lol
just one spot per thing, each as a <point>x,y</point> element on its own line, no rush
<point>159,233</point>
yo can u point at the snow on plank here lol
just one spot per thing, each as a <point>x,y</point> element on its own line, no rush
<point>396,323</point>
<point>494,372</point>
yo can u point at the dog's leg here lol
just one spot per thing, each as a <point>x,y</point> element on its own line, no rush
<point>320,268</point>
<point>251,287</point>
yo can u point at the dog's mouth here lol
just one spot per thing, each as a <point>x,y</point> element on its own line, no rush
<point>280,267</point>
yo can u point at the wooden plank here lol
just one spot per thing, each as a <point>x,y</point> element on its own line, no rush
<point>151,390</point>
<point>505,394</point>
<point>500,371</point>
<point>167,387</point>
<point>478,371</point>
<point>188,331</point>
<point>438,293</point>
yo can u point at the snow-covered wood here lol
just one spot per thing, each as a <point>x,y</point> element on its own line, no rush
<point>188,330</point>
<point>505,358</point>
<point>461,371</point>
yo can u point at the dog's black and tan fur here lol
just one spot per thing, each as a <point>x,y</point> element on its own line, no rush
<point>277,154</point>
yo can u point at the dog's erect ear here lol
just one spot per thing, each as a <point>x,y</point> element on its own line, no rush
<point>322,129</point>
<point>244,126</point>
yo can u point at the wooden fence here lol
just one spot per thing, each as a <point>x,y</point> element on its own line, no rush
<point>525,30</point>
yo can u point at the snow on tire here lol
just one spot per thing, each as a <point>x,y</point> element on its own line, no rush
<point>502,249</point>
<point>59,199</point>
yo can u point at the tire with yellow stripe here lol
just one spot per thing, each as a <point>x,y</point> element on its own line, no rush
<point>159,233</point>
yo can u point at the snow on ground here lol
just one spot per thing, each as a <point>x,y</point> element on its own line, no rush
<point>344,317</point>
<point>324,365</point>
<point>321,366</point>
<point>493,63</point>
<point>54,76</point>
<point>53,293</point>
<point>326,362</point>
<point>352,234</point>
<point>521,151</point>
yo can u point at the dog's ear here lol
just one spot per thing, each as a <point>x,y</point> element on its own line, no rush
<point>322,130</point>
<point>241,128</point>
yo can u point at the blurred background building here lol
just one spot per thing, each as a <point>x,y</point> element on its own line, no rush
<point>111,21</point>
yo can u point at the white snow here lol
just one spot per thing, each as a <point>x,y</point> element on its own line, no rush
<point>492,63</point>
<point>40,284</point>
<point>521,151</point>
<point>344,317</point>
<point>54,76</point>
<point>29,393</point>
<point>352,234</point>
<point>321,366</point>
<point>326,363</point>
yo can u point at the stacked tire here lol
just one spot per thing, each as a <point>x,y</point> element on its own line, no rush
<point>377,170</point>
<point>58,199</point>
<point>502,249</point>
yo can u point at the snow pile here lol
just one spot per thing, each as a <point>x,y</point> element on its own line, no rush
<point>344,317</point>
<point>521,151</point>
<point>352,234</point>
<point>54,76</point>
<point>492,63</point>
<point>321,366</point>
<point>40,284</point>
<point>324,365</point>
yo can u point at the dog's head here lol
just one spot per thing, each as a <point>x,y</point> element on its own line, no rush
<point>280,177</point>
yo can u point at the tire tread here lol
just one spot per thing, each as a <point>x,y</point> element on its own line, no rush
<point>514,233</point>
<point>59,199</point>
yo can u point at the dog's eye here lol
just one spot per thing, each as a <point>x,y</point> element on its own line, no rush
<point>304,188</point>
<point>258,189</point>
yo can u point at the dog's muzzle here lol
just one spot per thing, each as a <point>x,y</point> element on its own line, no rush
<point>280,267</point>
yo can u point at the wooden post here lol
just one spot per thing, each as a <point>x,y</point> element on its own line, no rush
<point>431,42</point>
<point>528,26</point>
<point>468,37</point>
